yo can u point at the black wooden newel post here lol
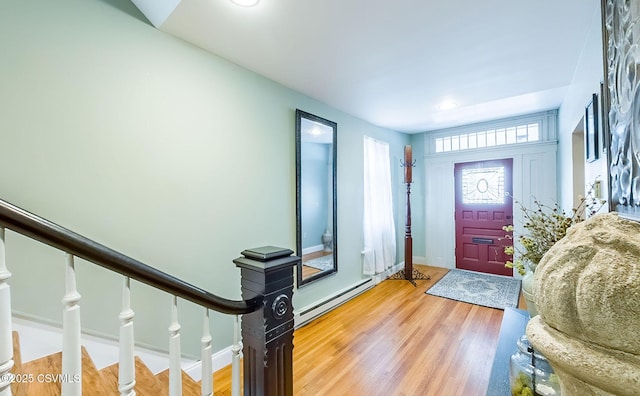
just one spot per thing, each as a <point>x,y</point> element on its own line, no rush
<point>267,334</point>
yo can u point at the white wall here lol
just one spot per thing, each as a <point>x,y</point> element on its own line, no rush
<point>157,149</point>
<point>536,165</point>
<point>533,170</point>
<point>586,81</point>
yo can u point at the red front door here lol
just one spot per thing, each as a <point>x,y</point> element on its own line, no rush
<point>482,209</point>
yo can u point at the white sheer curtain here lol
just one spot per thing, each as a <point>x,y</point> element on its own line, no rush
<point>379,227</point>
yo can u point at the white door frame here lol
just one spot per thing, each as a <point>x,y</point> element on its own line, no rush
<point>534,175</point>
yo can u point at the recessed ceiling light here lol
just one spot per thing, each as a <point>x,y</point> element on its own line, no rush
<point>447,105</point>
<point>245,3</point>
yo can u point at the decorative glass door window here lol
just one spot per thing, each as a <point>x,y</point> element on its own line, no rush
<point>483,185</point>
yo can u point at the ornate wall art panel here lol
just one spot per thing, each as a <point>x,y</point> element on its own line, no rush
<point>621,42</point>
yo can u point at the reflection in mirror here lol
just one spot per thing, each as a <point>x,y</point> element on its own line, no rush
<point>315,196</point>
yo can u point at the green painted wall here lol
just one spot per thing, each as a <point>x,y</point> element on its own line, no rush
<point>160,150</point>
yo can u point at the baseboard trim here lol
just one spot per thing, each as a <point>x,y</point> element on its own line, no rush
<point>219,360</point>
<point>312,249</point>
<point>310,312</point>
<point>40,321</point>
<point>377,278</point>
<point>41,337</point>
<point>420,260</point>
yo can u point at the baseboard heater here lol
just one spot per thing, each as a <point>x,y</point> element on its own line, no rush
<point>309,313</point>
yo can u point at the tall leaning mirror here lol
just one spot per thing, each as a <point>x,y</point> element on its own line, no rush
<point>315,197</point>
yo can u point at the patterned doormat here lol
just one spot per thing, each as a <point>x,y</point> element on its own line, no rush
<point>494,291</point>
<point>324,263</point>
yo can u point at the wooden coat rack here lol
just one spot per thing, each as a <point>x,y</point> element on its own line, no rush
<point>408,165</point>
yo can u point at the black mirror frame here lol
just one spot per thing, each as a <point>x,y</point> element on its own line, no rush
<point>300,114</point>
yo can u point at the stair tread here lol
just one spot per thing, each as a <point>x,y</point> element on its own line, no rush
<point>189,386</point>
<point>91,380</point>
<point>146,382</point>
<point>38,376</point>
<point>222,381</point>
<point>17,357</point>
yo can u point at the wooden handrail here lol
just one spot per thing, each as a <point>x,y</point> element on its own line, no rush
<point>49,233</point>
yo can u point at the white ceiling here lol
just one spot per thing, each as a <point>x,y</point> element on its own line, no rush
<point>393,62</point>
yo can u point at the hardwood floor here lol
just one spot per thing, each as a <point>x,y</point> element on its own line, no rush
<point>395,340</point>
<point>309,271</point>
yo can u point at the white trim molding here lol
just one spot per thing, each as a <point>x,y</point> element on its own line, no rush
<point>305,314</point>
<point>534,175</point>
<point>547,121</point>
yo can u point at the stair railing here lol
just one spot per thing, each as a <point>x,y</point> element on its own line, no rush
<point>267,321</point>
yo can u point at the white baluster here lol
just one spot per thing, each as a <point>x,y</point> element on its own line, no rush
<point>71,352</point>
<point>235,359</point>
<point>175,370</point>
<point>6,339</point>
<point>126,365</point>
<point>207,370</point>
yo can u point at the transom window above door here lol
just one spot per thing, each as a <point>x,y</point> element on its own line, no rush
<point>526,130</point>
<point>489,138</point>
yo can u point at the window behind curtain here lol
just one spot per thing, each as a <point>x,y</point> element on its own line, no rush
<point>379,227</point>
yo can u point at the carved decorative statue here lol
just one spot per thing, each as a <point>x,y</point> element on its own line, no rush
<point>587,290</point>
